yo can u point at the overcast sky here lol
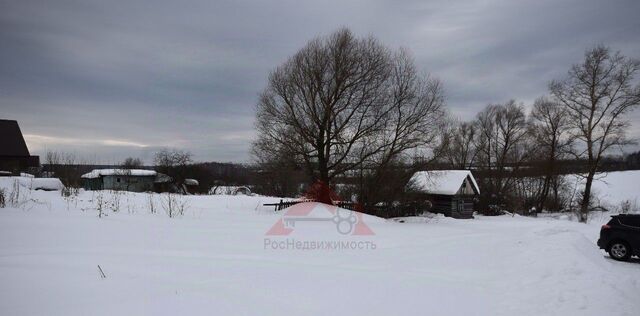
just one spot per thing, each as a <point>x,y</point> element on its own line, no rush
<point>111,79</point>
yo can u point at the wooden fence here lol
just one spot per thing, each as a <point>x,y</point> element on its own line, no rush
<point>381,211</point>
<point>284,204</point>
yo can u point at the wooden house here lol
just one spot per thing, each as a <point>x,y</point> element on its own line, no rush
<point>14,154</point>
<point>135,180</point>
<point>450,192</point>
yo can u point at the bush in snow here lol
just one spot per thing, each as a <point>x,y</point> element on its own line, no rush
<point>131,207</point>
<point>115,201</point>
<point>69,192</point>
<point>99,201</point>
<point>19,196</point>
<point>70,195</point>
<point>3,203</point>
<point>14,196</point>
<point>151,203</point>
<point>174,204</point>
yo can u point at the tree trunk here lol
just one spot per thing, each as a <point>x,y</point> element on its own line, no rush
<point>550,171</point>
<point>586,197</point>
<point>556,203</point>
<point>323,172</point>
<point>544,194</point>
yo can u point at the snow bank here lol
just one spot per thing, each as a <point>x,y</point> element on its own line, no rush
<point>47,184</point>
<point>213,260</point>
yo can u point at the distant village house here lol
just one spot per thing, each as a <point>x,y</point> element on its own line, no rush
<point>135,180</point>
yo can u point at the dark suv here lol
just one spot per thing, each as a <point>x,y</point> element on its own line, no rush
<point>620,237</point>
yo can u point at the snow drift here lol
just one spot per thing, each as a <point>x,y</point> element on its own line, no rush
<point>212,260</point>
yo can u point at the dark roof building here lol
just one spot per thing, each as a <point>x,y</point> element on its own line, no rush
<point>14,154</point>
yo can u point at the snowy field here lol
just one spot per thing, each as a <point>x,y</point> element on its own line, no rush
<point>615,188</point>
<point>212,260</point>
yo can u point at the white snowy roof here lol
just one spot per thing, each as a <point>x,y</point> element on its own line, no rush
<point>96,173</point>
<point>191,182</point>
<point>445,182</point>
<point>47,184</point>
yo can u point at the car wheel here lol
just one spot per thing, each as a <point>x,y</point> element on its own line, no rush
<point>619,250</point>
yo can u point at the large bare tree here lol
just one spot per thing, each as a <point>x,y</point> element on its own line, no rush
<point>597,94</point>
<point>343,102</point>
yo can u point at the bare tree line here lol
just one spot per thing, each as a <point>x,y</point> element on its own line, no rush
<point>349,110</point>
<point>582,118</point>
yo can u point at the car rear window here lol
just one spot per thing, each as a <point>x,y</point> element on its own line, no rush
<point>630,221</point>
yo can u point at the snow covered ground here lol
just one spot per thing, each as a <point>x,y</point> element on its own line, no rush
<point>213,260</point>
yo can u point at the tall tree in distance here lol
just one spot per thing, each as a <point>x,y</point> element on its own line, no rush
<point>458,145</point>
<point>502,146</point>
<point>549,129</point>
<point>342,102</point>
<point>597,94</point>
<point>173,162</point>
<point>131,163</point>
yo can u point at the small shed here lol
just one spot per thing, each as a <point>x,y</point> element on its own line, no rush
<point>450,192</point>
<point>134,180</point>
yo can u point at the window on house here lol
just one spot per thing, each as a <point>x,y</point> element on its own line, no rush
<point>118,180</point>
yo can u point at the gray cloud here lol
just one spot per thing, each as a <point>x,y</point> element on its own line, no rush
<point>110,79</point>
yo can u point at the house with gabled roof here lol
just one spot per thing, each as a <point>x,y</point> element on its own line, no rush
<point>14,154</point>
<point>450,192</point>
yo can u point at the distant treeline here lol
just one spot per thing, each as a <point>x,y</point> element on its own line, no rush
<point>572,166</point>
<point>227,173</point>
